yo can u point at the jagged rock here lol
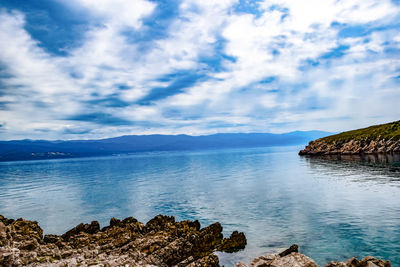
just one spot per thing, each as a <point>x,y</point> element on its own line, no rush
<point>293,248</point>
<point>235,242</point>
<point>292,258</point>
<point>365,262</point>
<point>25,230</point>
<point>240,264</point>
<point>264,261</point>
<point>5,220</point>
<point>161,242</point>
<point>51,238</point>
<point>91,228</point>
<point>207,261</point>
<point>3,235</point>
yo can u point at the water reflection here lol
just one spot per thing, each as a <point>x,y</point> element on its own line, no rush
<point>389,160</point>
<point>378,169</point>
<point>333,208</point>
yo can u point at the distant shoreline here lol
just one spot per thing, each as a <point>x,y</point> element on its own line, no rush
<point>43,149</point>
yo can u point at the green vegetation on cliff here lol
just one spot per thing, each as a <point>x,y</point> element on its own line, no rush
<point>384,131</point>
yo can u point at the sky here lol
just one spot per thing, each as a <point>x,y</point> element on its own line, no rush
<point>84,69</point>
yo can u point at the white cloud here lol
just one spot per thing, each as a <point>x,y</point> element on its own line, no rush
<point>117,12</point>
<point>275,43</point>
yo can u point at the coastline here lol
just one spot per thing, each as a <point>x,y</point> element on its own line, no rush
<point>160,242</point>
<point>351,147</point>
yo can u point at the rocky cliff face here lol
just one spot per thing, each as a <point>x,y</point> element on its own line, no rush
<point>384,138</point>
<point>160,242</point>
<point>351,147</point>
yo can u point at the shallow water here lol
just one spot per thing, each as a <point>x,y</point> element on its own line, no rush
<point>333,209</point>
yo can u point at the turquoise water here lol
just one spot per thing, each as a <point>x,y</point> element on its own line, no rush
<point>332,209</point>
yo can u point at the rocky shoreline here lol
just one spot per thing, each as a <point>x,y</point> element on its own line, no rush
<point>384,138</point>
<point>292,258</point>
<point>351,147</point>
<point>160,242</point>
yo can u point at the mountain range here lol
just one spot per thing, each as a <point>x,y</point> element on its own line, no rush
<point>44,149</point>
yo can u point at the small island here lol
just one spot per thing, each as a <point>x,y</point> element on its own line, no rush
<point>384,138</point>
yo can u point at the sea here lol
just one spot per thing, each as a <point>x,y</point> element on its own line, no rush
<point>333,208</point>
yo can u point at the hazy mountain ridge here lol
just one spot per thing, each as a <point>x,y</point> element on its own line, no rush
<point>42,149</point>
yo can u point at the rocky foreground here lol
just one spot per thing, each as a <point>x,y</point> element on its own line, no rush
<point>292,258</point>
<point>383,138</point>
<point>160,242</point>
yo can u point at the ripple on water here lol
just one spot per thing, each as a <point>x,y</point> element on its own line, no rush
<point>334,209</point>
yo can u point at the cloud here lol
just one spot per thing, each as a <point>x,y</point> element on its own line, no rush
<point>100,118</point>
<point>139,67</point>
<point>116,12</point>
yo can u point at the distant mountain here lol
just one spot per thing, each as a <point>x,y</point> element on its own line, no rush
<point>41,149</point>
<point>383,138</point>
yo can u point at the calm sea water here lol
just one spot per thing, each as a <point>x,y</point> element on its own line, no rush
<point>332,209</point>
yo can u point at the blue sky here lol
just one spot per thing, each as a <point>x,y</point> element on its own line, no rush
<point>100,68</point>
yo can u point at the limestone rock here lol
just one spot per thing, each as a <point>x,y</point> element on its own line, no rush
<point>368,261</point>
<point>161,242</point>
<point>292,258</point>
<point>351,147</point>
<point>293,248</point>
<point>235,242</point>
<point>264,261</point>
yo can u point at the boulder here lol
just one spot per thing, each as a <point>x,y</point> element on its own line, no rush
<point>91,228</point>
<point>234,243</point>
<point>368,261</point>
<point>293,248</point>
<point>294,259</point>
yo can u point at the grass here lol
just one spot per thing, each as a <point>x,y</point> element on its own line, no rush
<point>384,131</point>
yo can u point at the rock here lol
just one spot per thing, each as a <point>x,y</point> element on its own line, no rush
<point>207,261</point>
<point>373,262</point>
<point>25,230</point>
<point>292,258</point>
<point>264,261</point>
<point>240,264</point>
<point>234,243</point>
<point>365,262</point>
<point>29,245</point>
<point>377,139</point>
<point>161,242</point>
<point>51,238</point>
<point>3,235</point>
<point>91,228</point>
<point>293,248</point>
<point>5,221</point>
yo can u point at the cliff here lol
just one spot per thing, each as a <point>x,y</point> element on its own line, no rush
<point>384,138</point>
